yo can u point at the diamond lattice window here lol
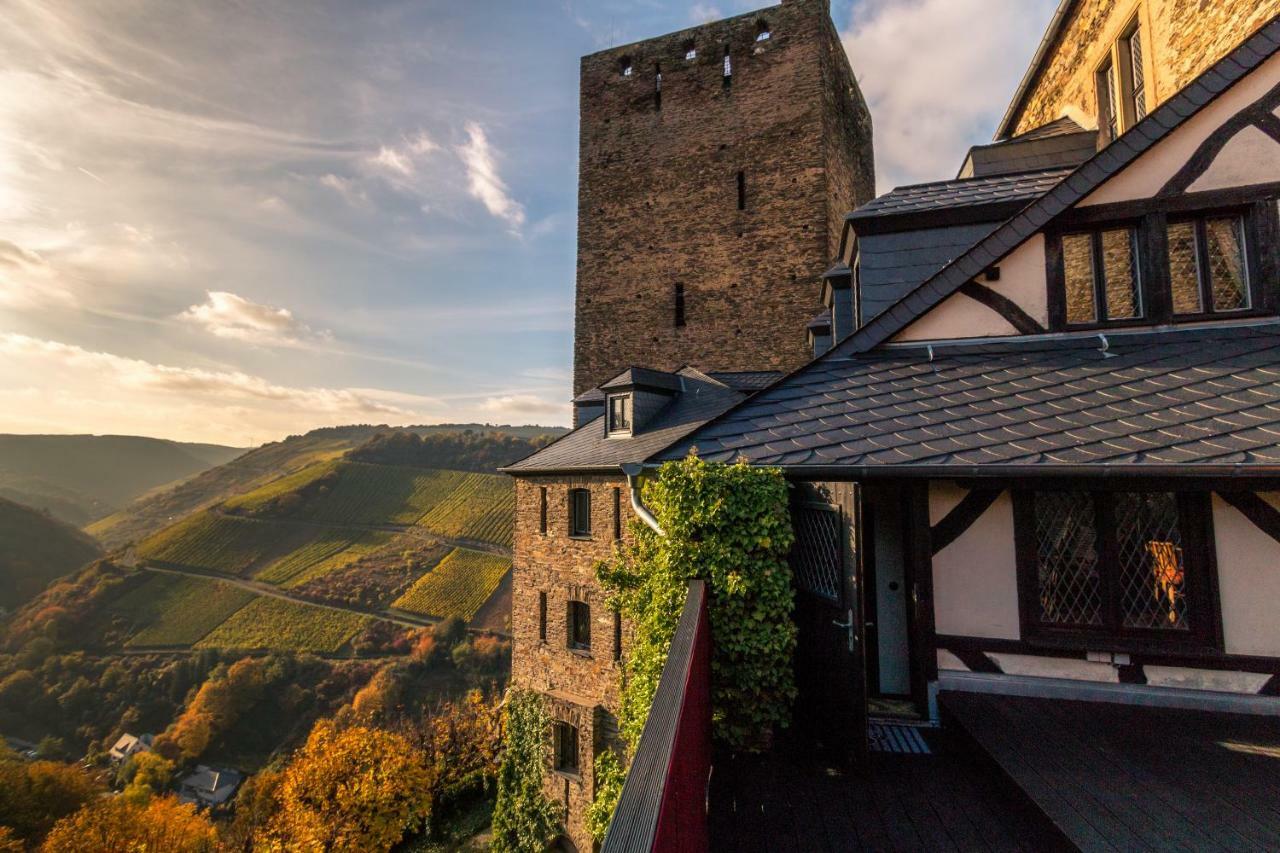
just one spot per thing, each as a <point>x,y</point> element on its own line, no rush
<point>1100,276</point>
<point>1115,565</point>
<point>1070,588</point>
<point>816,556</point>
<point>1208,270</point>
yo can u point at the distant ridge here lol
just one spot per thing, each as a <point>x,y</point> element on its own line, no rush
<point>36,549</point>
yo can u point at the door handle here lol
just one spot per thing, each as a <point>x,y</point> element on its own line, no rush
<point>848,626</point>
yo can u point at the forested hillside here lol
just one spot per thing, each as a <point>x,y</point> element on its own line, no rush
<point>34,550</point>
<point>80,478</point>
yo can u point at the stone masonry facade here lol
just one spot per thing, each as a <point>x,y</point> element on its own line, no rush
<point>662,178</point>
<point>581,686</point>
<point>1182,38</point>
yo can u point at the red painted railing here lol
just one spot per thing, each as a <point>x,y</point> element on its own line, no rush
<point>663,806</point>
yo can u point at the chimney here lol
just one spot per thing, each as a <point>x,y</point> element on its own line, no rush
<point>837,295</point>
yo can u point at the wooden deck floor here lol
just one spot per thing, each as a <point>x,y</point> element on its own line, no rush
<point>1124,777</point>
<point>788,801</point>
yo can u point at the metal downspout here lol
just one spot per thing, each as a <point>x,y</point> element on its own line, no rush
<point>633,470</point>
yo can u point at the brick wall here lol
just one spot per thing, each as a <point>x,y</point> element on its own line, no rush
<point>1182,38</point>
<point>658,193</point>
<point>581,687</point>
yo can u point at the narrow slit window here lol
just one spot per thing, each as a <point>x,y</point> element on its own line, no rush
<point>657,87</point>
<point>679,305</point>
<point>617,512</point>
<point>542,616</point>
<point>617,636</point>
<point>542,509</point>
<point>763,33</point>
<point>690,51</point>
<point>728,67</point>
<point>624,66</point>
<point>742,190</point>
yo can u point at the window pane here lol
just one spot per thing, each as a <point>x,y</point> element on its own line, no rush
<point>1106,84</point>
<point>1121,274</point>
<point>1070,590</point>
<point>1135,63</point>
<point>1077,264</point>
<point>1184,268</point>
<point>1226,264</point>
<point>1149,547</point>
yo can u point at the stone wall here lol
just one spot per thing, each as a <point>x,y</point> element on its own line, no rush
<point>1182,38</point>
<point>658,192</point>
<point>581,687</point>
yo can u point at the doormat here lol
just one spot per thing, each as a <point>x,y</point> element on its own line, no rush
<point>887,737</point>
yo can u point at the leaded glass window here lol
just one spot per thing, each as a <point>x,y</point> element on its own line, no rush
<point>1115,565</point>
<point>1138,95</point>
<point>1100,276</point>
<point>1208,267</point>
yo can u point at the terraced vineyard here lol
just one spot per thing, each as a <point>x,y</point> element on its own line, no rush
<point>458,586</point>
<point>271,623</point>
<point>362,493</point>
<point>362,546</point>
<point>481,508</point>
<point>224,544</point>
<point>177,611</point>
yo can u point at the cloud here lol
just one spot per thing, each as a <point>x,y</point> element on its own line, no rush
<point>402,161</point>
<point>116,372</point>
<point>228,315</point>
<point>483,180</point>
<point>936,83</point>
<point>701,13</point>
<point>522,405</point>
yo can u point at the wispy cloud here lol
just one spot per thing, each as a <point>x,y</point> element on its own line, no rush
<point>516,406</point>
<point>484,181</point>
<point>228,315</point>
<point>403,160</point>
<point>936,83</point>
<point>703,12</point>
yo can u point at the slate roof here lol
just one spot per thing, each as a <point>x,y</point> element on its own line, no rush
<point>891,265</point>
<point>1059,144</point>
<point>1207,397</point>
<point>589,449</point>
<point>961,193</point>
<point>1068,191</point>
<point>643,377</point>
<point>745,380</point>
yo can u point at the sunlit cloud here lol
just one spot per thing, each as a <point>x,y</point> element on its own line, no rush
<point>483,180</point>
<point>701,13</point>
<point>228,315</point>
<point>518,406</point>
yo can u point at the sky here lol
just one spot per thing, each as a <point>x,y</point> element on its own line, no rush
<point>235,221</point>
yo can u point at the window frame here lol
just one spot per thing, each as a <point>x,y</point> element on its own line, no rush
<point>1259,210</point>
<point>1132,77</point>
<point>1198,220</point>
<point>1195,524</point>
<point>566,732</point>
<point>1058,277</point>
<point>542,616</point>
<point>628,411</point>
<point>1109,121</point>
<point>578,615</point>
<point>579,530</point>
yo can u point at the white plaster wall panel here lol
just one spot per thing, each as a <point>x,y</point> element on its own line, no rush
<point>1153,169</point>
<point>943,497</point>
<point>1222,681</point>
<point>957,317</point>
<point>975,578</point>
<point>1068,668</point>
<point>1022,279</point>
<point>1250,157</point>
<point>1248,583</point>
<point>948,661</point>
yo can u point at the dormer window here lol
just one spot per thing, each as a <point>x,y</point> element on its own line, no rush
<point>620,414</point>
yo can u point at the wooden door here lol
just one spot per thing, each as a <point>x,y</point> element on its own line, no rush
<point>831,706</point>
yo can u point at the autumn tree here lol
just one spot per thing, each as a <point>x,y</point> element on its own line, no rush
<point>118,824</point>
<point>33,795</point>
<point>152,774</point>
<point>351,789</point>
<point>216,707</point>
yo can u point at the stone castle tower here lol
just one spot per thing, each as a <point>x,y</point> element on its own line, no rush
<point>716,166</point>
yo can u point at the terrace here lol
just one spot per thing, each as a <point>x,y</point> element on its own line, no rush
<point>1004,773</point>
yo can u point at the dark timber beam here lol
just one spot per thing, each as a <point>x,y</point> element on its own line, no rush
<point>961,517</point>
<point>1264,516</point>
<point>1004,306</point>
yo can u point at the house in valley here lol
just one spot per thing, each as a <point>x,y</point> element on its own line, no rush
<point>208,787</point>
<point>128,746</point>
<point>1035,457</point>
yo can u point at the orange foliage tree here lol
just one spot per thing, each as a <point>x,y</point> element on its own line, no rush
<point>33,795</point>
<point>357,788</point>
<point>215,708</point>
<point>117,824</point>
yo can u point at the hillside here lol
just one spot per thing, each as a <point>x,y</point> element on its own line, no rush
<point>278,459</point>
<point>34,550</point>
<point>80,478</point>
